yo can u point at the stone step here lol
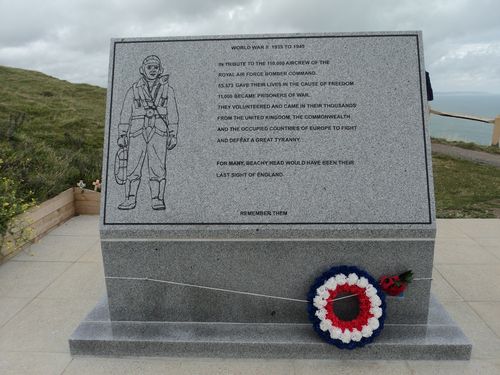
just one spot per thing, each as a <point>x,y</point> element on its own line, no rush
<point>441,338</point>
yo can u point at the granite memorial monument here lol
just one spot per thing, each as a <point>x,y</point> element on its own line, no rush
<point>237,169</point>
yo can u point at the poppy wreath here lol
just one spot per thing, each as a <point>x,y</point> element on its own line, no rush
<point>346,334</point>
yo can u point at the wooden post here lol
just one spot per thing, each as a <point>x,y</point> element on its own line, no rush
<point>495,138</point>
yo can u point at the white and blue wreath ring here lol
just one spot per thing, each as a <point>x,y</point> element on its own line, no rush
<point>346,334</point>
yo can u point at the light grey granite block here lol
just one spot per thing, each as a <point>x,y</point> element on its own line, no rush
<point>276,268</point>
<point>97,335</point>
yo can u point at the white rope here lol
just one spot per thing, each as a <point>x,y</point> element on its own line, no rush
<point>229,290</point>
<point>207,287</point>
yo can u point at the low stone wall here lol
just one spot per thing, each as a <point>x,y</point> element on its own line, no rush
<point>37,221</point>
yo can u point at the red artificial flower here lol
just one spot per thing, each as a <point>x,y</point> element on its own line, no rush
<point>395,285</point>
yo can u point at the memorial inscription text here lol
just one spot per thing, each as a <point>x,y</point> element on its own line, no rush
<point>279,98</point>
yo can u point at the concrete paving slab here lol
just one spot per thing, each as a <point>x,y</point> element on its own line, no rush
<point>51,248</point>
<point>446,229</point>
<point>44,325</point>
<point>442,289</point>
<point>9,307</point>
<point>490,313</point>
<point>473,282</point>
<point>327,367</point>
<point>124,366</point>
<point>93,255</point>
<point>235,366</point>
<point>476,229</point>
<point>28,279</point>
<point>19,363</point>
<point>80,281</point>
<point>488,242</point>
<point>83,225</point>
<point>494,250</point>
<point>462,251</point>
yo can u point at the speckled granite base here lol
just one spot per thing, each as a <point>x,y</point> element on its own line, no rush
<point>283,268</point>
<point>441,338</point>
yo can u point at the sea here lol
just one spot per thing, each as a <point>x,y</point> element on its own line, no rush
<point>476,104</point>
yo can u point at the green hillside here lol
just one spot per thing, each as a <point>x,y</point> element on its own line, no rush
<point>51,132</point>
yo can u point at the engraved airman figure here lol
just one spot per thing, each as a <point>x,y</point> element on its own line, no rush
<point>147,131</point>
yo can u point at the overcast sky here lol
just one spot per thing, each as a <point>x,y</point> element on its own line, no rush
<point>69,39</point>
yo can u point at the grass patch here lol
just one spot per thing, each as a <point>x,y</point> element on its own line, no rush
<point>465,189</point>
<point>468,146</point>
<point>51,132</point>
<point>51,136</point>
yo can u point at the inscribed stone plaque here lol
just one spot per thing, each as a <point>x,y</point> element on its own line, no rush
<point>294,129</point>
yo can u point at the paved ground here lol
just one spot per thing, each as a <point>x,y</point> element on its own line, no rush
<point>47,290</point>
<point>463,153</point>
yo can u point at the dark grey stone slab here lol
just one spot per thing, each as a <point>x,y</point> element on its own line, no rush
<point>97,335</point>
<point>276,268</point>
